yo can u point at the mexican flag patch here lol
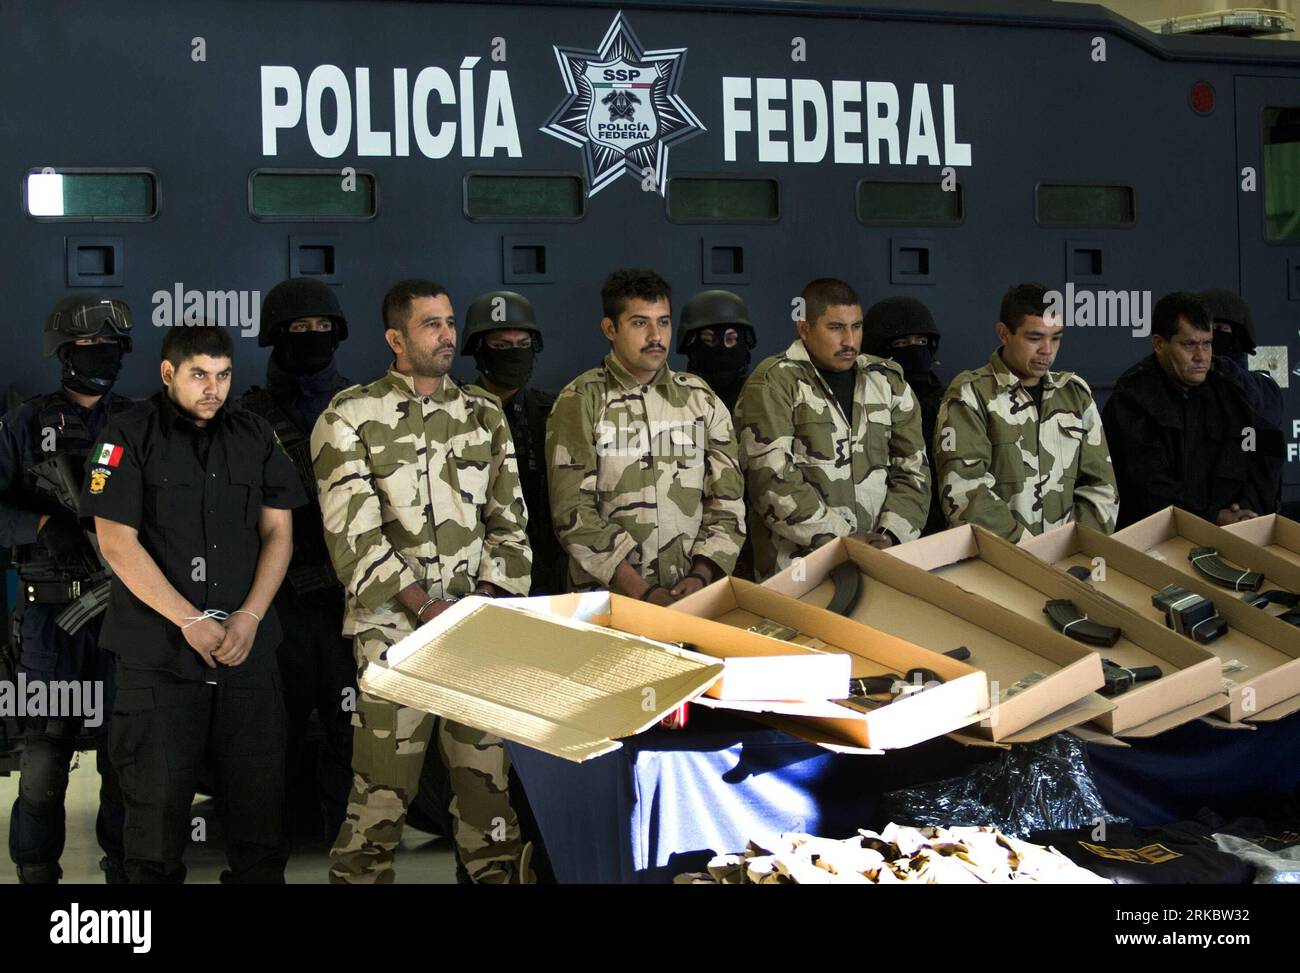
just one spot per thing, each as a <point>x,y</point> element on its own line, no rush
<point>109,455</point>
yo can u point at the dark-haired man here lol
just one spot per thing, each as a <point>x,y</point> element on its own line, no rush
<point>421,502</point>
<point>646,491</point>
<point>830,439</point>
<point>191,501</point>
<point>1182,430</point>
<point>1019,448</point>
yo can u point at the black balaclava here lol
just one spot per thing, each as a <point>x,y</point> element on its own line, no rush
<point>91,369</point>
<point>506,368</point>
<point>725,369</point>
<point>1225,346</point>
<point>304,352</point>
<point>914,359</point>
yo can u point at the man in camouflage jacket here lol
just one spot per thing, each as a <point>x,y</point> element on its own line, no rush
<point>1020,449</point>
<point>830,439</point>
<point>646,492</point>
<point>421,504</point>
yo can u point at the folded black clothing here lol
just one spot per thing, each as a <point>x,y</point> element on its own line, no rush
<point>1183,853</point>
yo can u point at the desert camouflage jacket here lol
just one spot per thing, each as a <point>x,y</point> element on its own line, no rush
<point>418,489</point>
<point>1003,467</point>
<point>643,473</point>
<point>811,476</point>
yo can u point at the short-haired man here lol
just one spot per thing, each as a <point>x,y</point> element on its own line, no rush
<point>421,504</point>
<point>1182,430</point>
<point>830,439</point>
<point>191,501</point>
<point>646,492</point>
<point>1019,449</point>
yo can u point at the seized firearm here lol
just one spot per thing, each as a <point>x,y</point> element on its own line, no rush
<point>1120,679</point>
<point>56,479</point>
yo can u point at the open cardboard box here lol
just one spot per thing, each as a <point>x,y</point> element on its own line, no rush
<point>986,565</point>
<point>1270,650</point>
<point>1274,533</point>
<point>1040,682</point>
<point>958,702</point>
<point>560,685</point>
<point>1170,534</point>
<point>571,674</point>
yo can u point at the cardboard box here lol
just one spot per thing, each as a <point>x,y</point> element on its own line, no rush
<point>1171,534</point>
<point>563,686</point>
<point>1276,534</point>
<point>1268,649</point>
<point>995,569</point>
<point>571,674</point>
<point>958,702</point>
<point>1040,682</point>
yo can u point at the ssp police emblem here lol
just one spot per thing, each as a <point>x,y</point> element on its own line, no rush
<point>622,108</point>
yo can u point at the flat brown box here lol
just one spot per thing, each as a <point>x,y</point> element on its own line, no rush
<point>992,568</point>
<point>566,687</point>
<point>911,604</point>
<point>1170,534</point>
<point>1269,648</point>
<point>1274,533</point>
<point>960,701</point>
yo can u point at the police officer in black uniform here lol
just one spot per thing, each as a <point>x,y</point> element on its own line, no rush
<point>43,449</point>
<point>303,323</point>
<point>502,334</point>
<point>191,501</point>
<point>902,328</point>
<point>716,336</point>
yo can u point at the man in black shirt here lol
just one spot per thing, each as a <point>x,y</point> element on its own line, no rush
<point>191,503</point>
<point>1182,432</point>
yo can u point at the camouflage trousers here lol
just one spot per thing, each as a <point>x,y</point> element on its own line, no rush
<point>388,750</point>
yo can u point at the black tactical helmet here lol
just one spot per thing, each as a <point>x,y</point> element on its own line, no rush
<point>893,318</point>
<point>1226,306</point>
<point>299,297</point>
<point>709,309</point>
<point>86,316</point>
<point>495,310</point>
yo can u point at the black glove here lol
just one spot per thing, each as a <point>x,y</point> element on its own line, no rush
<point>66,541</point>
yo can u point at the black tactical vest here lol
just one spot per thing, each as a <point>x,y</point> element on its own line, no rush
<point>310,569</point>
<point>55,413</point>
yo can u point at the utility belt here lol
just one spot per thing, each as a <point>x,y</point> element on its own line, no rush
<point>59,592</point>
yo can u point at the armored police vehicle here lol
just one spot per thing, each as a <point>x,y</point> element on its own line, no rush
<point>185,156</point>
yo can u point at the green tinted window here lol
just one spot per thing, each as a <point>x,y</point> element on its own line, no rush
<point>909,202</point>
<point>92,195</point>
<point>524,197</point>
<point>724,200</point>
<point>312,196</point>
<point>1282,173</point>
<point>1086,205</point>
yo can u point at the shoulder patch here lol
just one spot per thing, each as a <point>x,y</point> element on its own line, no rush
<point>109,455</point>
<point>99,479</point>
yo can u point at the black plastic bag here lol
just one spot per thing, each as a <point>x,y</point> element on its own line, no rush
<point>1045,785</point>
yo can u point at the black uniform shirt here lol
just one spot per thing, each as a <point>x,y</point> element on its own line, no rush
<point>194,494</point>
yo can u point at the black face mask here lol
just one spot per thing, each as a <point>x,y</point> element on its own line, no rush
<point>91,369</point>
<point>1225,346</point>
<point>506,368</point>
<point>915,359</point>
<point>304,352</point>
<point>723,368</point>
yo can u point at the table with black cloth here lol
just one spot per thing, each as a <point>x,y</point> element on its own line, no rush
<point>669,799</point>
